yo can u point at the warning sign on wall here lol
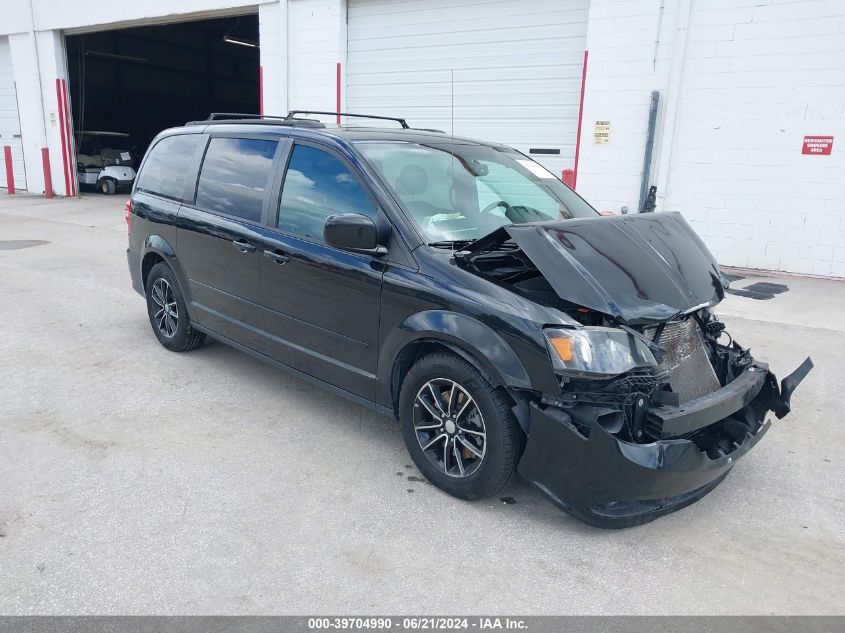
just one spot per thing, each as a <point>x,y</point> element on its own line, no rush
<point>601,135</point>
<point>817,145</point>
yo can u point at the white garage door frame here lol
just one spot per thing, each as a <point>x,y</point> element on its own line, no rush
<point>164,20</point>
<point>10,125</point>
<point>495,70</point>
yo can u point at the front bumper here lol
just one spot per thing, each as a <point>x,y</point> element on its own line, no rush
<point>611,483</point>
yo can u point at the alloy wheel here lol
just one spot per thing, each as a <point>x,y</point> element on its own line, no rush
<point>166,317</point>
<point>449,427</point>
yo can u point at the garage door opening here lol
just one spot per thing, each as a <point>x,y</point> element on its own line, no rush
<point>135,82</point>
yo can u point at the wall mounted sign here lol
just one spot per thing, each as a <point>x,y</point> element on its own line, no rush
<point>821,145</point>
<point>601,134</point>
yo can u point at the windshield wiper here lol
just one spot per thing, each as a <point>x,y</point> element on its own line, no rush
<point>452,244</point>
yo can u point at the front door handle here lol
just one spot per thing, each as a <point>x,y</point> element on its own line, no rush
<point>277,256</point>
<point>243,246</point>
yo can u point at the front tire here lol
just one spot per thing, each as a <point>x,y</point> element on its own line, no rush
<point>168,313</point>
<point>459,430</point>
<point>107,186</point>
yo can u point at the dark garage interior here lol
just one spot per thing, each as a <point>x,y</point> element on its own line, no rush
<point>142,80</point>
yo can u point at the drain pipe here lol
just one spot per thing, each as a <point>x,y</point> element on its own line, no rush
<point>672,102</point>
<point>48,181</point>
<point>649,147</point>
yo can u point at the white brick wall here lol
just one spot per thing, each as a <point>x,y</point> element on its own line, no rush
<point>623,69</point>
<point>758,79</point>
<point>272,25</point>
<point>317,42</point>
<point>758,76</point>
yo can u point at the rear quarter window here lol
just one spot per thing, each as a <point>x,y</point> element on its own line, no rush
<point>167,165</point>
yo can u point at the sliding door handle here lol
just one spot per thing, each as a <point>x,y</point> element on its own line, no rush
<point>243,246</point>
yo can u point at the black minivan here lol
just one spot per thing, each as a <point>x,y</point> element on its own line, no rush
<point>460,287</point>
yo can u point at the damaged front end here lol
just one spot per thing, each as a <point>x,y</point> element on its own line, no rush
<point>625,450</point>
<point>656,401</point>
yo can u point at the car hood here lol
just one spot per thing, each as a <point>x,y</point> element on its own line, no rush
<point>636,269</point>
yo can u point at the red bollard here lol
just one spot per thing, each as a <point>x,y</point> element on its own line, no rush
<point>48,176</point>
<point>10,177</point>
<point>568,177</point>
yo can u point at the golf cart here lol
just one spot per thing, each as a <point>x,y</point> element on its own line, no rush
<point>103,161</point>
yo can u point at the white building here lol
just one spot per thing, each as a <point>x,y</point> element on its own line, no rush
<point>740,85</point>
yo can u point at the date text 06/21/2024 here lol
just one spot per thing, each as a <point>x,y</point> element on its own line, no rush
<point>417,623</point>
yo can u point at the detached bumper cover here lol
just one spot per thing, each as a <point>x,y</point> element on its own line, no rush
<point>608,482</point>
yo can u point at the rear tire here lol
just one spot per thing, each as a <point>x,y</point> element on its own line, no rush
<point>168,313</point>
<point>462,462</point>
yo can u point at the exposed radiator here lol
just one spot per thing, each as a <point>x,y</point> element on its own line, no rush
<point>690,373</point>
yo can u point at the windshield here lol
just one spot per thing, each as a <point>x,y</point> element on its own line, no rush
<point>113,142</point>
<point>461,192</point>
<point>103,149</point>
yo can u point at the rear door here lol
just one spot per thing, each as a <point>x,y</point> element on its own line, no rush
<point>219,234</point>
<point>321,305</point>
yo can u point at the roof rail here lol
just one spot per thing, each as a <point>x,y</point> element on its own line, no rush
<point>291,115</point>
<point>216,118</point>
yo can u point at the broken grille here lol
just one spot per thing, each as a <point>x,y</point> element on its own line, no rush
<point>685,360</point>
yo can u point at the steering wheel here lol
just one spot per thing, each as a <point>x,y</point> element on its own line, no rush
<point>498,203</point>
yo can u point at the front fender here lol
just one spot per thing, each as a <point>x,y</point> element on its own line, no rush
<point>117,172</point>
<point>464,334</point>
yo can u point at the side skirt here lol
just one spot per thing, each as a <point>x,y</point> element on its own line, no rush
<point>296,373</point>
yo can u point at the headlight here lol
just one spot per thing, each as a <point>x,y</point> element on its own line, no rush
<point>596,351</point>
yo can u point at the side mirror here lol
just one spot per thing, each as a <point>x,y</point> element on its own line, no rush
<point>353,232</point>
<point>80,167</point>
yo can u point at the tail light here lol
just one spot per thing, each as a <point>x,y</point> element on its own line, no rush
<point>128,216</point>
